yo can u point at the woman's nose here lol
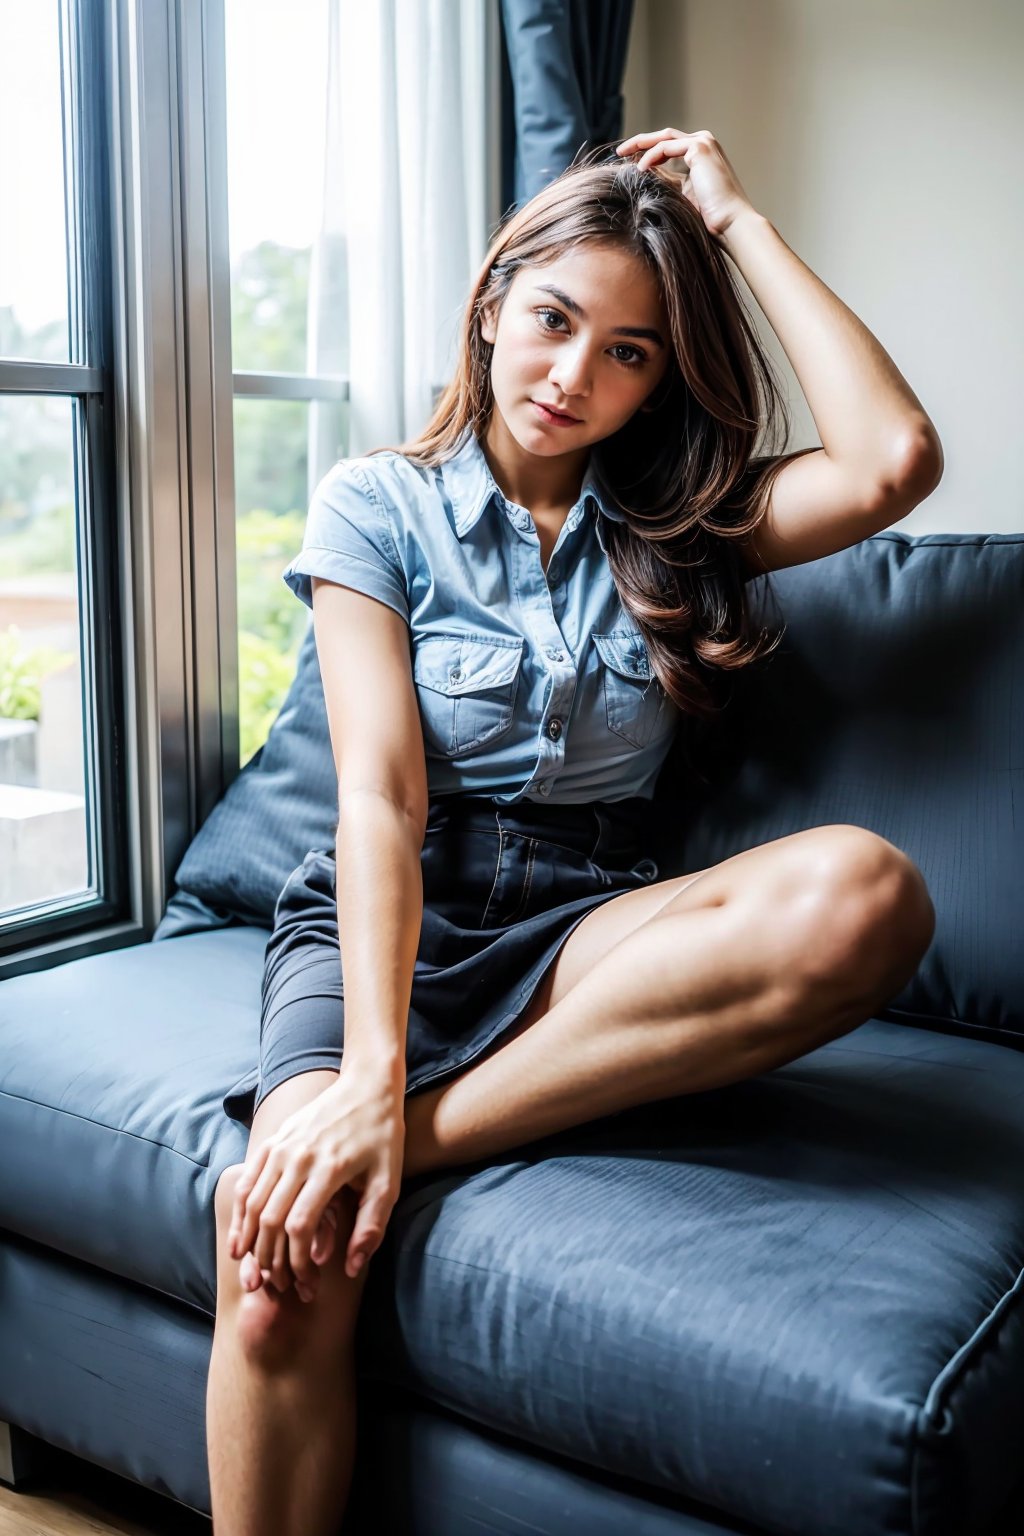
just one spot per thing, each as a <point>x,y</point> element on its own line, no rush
<point>571,372</point>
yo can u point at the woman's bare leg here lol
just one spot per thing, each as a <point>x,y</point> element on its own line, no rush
<point>750,964</point>
<point>280,1401</point>
<point>707,980</point>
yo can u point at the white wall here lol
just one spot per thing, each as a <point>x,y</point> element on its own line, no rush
<point>884,140</point>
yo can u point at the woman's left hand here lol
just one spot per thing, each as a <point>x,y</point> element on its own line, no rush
<point>709,181</point>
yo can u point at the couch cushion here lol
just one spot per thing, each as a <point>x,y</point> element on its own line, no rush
<point>797,1299</point>
<point>283,803</point>
<point>896,702</point>
<point>112,1132</point>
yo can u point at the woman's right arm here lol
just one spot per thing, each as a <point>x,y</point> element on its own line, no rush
<point>354,1132</point>
<point>380,913</point>
<point>377,739</point>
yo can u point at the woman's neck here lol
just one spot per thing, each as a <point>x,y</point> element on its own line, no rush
<point>545,486</point>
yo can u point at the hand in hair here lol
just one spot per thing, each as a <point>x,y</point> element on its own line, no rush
<point>709,181</point>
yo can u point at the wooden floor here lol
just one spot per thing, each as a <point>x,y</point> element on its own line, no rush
<point>74,1498</point>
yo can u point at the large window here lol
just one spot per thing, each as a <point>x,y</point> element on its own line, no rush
<point>61,831</point>
<point>289,413</point>
<point>174,381</point>
<point>360,188</point>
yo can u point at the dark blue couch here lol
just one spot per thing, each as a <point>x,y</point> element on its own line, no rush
<point>792,1305</point>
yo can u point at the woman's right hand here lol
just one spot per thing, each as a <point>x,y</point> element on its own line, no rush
<point>351,1134</point>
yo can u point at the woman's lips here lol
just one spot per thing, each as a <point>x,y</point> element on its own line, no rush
<point>553,417</point>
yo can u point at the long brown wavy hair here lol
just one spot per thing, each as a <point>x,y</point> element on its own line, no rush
<point>682,470</point>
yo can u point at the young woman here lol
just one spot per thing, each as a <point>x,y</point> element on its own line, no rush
<point>513,614</point>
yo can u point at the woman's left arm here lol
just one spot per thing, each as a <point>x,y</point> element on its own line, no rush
<point>866,413</point>
<point>869,419</point>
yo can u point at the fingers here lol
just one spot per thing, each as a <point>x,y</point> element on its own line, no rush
<point>320,1252</point>
<point>670,149</point>
<point>243,1226</point>
<point>311,1222</point>
<point>280,1223</point>
<point>642,140</point>
<point>280,1275</point>
<point>292,1241</point>
<point>324,1241</point>
<point>259,1226</point>
<point>368,1232</point>
<point>276,1193</point>
<point>273,1197</point>
<point>665,143</point>
<point>249,1275</point>
<point>645,140</point>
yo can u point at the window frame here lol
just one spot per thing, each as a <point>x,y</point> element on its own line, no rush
<point>85,380</point>
<point>152,201</point>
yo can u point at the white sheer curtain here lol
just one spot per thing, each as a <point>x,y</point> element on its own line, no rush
<point>405,210</point>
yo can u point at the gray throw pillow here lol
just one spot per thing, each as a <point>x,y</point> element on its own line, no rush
<point>283,803</point>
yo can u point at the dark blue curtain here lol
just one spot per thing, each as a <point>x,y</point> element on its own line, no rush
<point>563,62</point>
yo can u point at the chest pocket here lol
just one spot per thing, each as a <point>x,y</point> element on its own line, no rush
<point>633,697</point>
<point>466,685</point>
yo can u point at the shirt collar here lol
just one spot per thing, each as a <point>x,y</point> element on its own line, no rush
<point>471,487</point>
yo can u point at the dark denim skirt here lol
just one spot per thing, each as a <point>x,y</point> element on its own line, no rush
<point>503,887</point>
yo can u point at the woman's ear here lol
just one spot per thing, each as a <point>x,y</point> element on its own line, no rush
<point>488,324</point>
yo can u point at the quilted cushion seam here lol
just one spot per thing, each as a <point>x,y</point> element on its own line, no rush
<point>898,1015</point>
<point>115,1130</point>
<point>955,541</point>
<point>929,1418</point>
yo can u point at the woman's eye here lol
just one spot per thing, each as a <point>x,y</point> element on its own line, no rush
<point>637,355</point>
<point>636,360</point>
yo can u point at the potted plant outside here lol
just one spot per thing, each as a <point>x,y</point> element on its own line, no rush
<point>21,675</point>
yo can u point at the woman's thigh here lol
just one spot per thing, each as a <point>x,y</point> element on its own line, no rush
<point>283,1100</point>
<point>754,872</point>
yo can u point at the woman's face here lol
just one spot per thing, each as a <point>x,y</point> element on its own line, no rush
<point>595,347</point>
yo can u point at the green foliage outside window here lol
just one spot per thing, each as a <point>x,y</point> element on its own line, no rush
<point>22,672</point>
<point>269,288</point>
<point>271,620</point>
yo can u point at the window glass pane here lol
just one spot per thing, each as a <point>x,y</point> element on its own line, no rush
<point>276,117</point>
<point>43,813</point>
<point>33,235</point>
<point>271,453</point>
<point>271,500</point>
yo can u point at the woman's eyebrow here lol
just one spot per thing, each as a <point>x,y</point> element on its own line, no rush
<point>618,330</point>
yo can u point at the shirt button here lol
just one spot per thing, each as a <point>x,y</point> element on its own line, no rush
<point>554,729</point>
<point>557,655</point>
<point>455,674</point>
<point>545,789</point>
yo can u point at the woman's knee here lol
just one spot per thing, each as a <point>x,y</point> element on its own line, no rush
<point>275,1329</point>
<point>862,911</point>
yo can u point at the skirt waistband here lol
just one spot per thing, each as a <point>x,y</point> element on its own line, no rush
<point>614,833</point>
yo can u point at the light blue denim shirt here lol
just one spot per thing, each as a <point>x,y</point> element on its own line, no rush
<point>531,685</point>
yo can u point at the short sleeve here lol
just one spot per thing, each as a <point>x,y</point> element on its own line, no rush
<point>347,539</point>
